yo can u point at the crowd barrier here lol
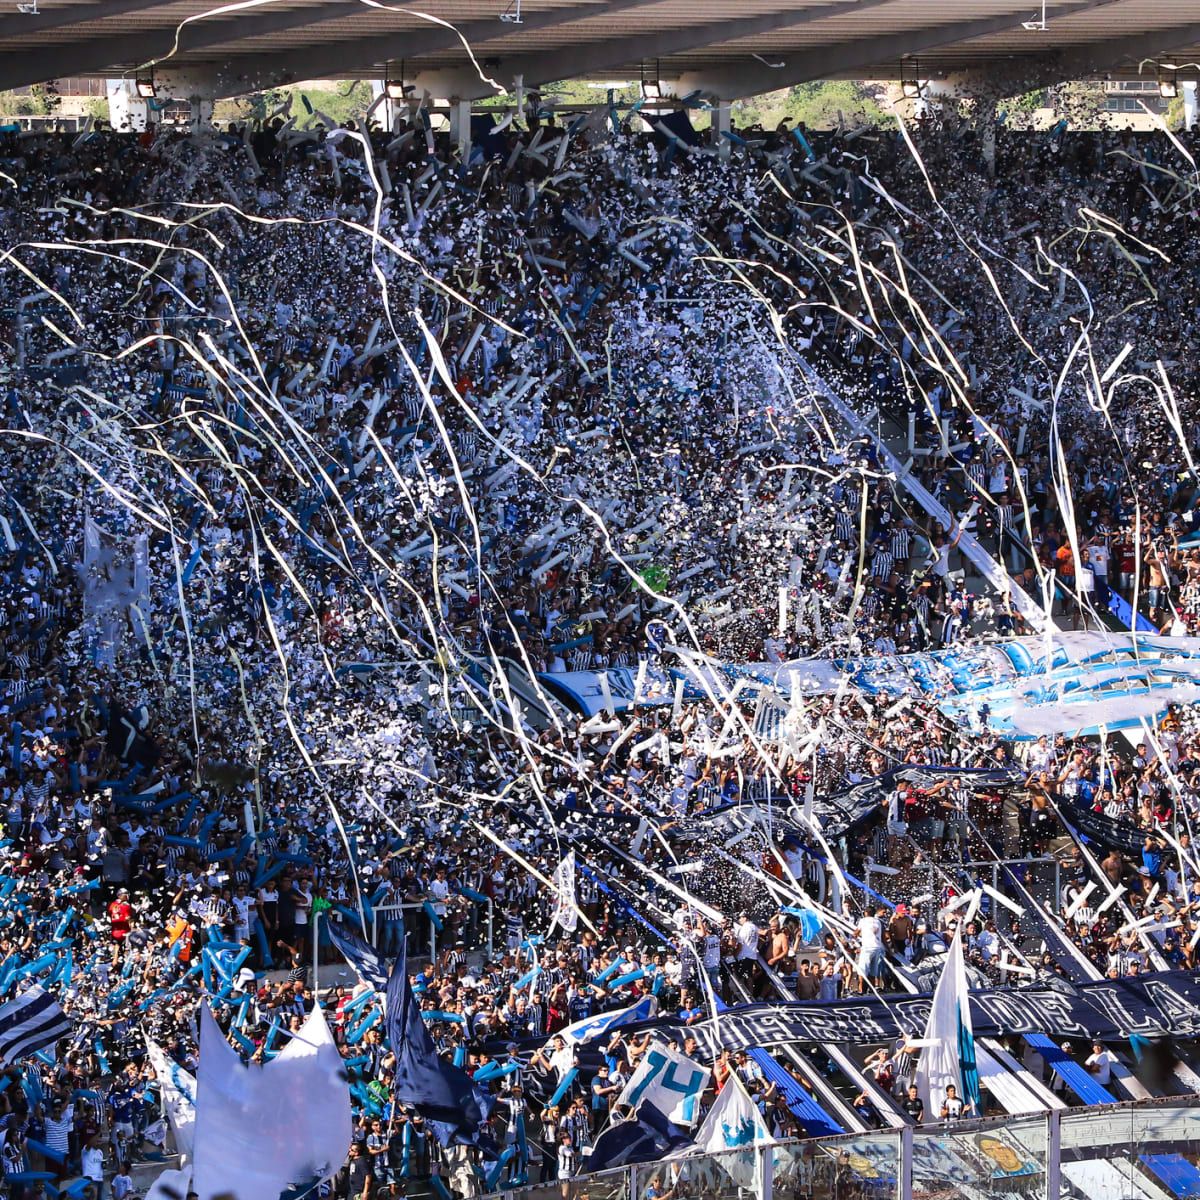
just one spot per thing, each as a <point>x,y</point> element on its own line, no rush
<point>415,914</point>
<point>1135,1151</point>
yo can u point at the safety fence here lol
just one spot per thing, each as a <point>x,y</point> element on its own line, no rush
<point>1137,1151</point>
<point>425,924</point>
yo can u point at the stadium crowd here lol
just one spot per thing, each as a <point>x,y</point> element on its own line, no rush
<point>307,447</point>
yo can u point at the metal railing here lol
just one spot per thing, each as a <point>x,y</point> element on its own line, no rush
<point>385,912</point>
<point>1106,1152</point>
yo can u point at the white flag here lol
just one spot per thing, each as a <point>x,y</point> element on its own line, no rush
<point>566,915</point>
<point>171,1184</point>
<point>670,1082</point>
<point>324,1122</point>
<point>260,1129</point>
<point>178,1097</point>
<point>735,1124</point>
<point>948,1051</point>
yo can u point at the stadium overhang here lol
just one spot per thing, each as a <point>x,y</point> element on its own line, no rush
<point>727,48</point>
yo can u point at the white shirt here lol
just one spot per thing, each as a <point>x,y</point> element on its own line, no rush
<point>1100,1065</point>
<point>747,936</point>
<point>92,1160</point>
<point>870,932</point>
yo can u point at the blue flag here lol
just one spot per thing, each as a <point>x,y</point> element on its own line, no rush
<point>647,1137</point>
<point>448,1098</point>
<point>370,967</point>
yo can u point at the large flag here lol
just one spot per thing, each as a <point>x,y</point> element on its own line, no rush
<point>734,1124</point>
<point>590,1028</point>
<point>647,1137</point>
<point>260,1129</point>
<point>948,1054</point>
<point>360,956</point>
<point>171,1184</point>
<point>324,1122</point>
<point>566,913</point>
<point>669,1081</point>
<point>178,1089</point>
<point>448,1098</point>
<point>33,1021</point>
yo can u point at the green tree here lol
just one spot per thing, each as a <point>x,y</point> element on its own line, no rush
<point>828,103</point>
<point>1030,101</point>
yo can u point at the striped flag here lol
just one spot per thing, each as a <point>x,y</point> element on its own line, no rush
<point>33,1021</point>
<point>948,1049</point>
<point>370,967</point>
<point>566,915</point>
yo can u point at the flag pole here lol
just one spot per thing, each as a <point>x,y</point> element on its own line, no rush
<point>316,925</point>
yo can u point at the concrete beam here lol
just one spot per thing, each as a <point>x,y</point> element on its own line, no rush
<point>15,24</point>
<point>587,57</point>
<point>822,62</point>
<point>1101,57</point>
<point>353,55</point>
<point>94,54</point>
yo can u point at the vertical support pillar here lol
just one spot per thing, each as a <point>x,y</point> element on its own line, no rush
<point>722,119</point>
<point>460,128</point>
<point>987,134</point>
<point>127,111</point>
<point>1053,1153</point>
<point>1189,104</point>
<point>904,1174</point>
<point>201,116</point>
<point>766,1172</point>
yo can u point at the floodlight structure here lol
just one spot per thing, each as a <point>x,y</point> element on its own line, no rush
<point>651,85</point>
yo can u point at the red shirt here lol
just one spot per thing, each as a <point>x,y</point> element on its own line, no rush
<point>120,914</point>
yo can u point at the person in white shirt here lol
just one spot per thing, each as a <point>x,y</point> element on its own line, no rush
<point>870,949</point>
<point>1100,1064</point>
<point>1097,552</point>
<point>122,1184</point>
<point>92,1160</point>
<point>746,934</point>
<point>954,1106</point>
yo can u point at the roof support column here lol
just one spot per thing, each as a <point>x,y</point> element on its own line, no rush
<point>722,123</point>
<point>460,128</point>
<point>127,111</point>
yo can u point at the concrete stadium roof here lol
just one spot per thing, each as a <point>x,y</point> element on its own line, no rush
<point>727,48</point>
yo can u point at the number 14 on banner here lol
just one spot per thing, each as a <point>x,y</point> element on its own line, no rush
<point>670,1081</point>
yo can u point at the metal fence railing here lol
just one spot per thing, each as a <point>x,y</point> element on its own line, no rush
<point>388,920</point>
<point>1141,1149</point>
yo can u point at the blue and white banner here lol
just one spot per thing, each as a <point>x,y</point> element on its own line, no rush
<point>668,1081</point>
<point>591,1028</point>
<point>1021,688</point>
<point>178,1090</point>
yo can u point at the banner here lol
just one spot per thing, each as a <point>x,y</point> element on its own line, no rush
<point>566,914</point>
<point>178,1089</point>
<point>668,1081</point>
<point>590,1028</point>
<point>734,1123</point>
<point>1166,1004</point>
<point>842,811</point>
<point>1111,834</point>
